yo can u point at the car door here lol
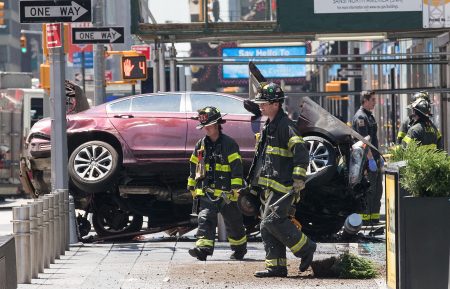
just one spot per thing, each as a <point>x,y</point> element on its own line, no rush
<point>240,124</point>
<point>154,126</point>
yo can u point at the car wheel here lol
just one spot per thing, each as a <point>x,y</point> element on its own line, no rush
<point>322,160</point>
<point>109,220</point>
<point>93,166</point>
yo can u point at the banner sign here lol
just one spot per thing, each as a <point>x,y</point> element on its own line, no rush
<point>366,6</point>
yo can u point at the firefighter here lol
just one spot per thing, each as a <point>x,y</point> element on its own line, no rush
<point>365,124</point>
<point>279,168</point>
<point>422,129</point>
<point>407,123</point>
<point>215,178</point>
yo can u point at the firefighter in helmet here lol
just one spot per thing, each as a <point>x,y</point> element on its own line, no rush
<point>422,128</point>
<point>407,123</point>
<point>279,168</point>
<point>215,178</point>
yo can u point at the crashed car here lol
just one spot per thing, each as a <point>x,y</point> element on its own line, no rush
<point>128,158</point>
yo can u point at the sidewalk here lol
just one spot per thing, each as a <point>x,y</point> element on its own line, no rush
<point>165,263</point>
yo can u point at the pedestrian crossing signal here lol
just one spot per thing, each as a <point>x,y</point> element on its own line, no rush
<point>134,67</point>
<point>23,43</point>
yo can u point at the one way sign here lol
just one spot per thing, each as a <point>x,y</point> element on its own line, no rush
<point>55,11</point>
<point>97,35</point>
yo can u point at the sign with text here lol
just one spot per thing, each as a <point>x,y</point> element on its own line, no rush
<point>97,35</point>
<point>364,6</point>
<point>53,33</point>
<point>88,59</point>
<point>268,70</point>
<point>55,11</point>
<point>143,49</point>
<point>134,67</point>
<point>436,14</point>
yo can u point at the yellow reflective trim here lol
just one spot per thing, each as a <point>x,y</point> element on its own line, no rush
<point>439,135</point>
<point>375,216</point>
<point>401,134</point>
<point>278,151</point>
<point>204,243</point>
<point>207,167</point>
<point>194,159</point>
<point>223,168</point>
<point>237,181</point>
<point>191,182</point>
<point>299,171</point>
<point>407,139</point>
<point>299,244</point>
<point>199,192</point>
<point>276,262</point>
<point>233,157</point>
<point>274,185</point>
<point>234,242</point>
<point>294,140</point>
<point>365,217</point>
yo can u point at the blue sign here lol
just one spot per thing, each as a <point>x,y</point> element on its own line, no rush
<point>88,59</point>
<point>268,70</point>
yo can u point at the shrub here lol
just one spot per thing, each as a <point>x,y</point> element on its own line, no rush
<point>427,173</point>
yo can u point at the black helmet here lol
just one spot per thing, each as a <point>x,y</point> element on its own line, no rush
<point>421,106</point>
<point>269,92</point>
<point>248,204</point>
<point>421,95</point>
<point>209,115</point>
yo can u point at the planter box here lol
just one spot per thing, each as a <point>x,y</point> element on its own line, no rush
<point>424,242</point>
<point>8,275</point>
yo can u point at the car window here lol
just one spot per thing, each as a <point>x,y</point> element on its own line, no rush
<point>165,102</point>
<point>224,103</point>
<point>120,106</point>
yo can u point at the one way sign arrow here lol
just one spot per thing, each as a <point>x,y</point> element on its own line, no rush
<point>55,11</point>
<point>97,35</point>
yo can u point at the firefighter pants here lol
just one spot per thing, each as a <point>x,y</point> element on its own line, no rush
<point>278,232</point>
<point>373,197</point>
<point>207,223</point>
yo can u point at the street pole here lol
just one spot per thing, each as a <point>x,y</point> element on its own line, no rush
<point>173,68</point>
<point>162,68</point>
<point>83,71</point>
<point>155,67</point>
<point>99,58</point>
<point>59,175</point>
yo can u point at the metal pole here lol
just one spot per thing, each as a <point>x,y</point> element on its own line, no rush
<point>155,67</point>
<point>99,58</point>
<point>133,89</point>
<point>33,240</point>
<point>56,227</point>
<point>40,215</point>
<point>59,175</point>
<point>83,71</point>
<point>162,68</point>
<point>46,240</point>
<point>173,68</point>
<point>21,229</point>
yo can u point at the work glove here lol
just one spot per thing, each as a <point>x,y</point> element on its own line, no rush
<point>298,186</point>
<point>193,193</point>
<point>372,165</point>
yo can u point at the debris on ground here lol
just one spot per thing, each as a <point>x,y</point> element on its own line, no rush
<point>345,266</point>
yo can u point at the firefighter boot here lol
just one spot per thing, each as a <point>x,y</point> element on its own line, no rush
<point>277,271</point>
<point>307,255</point>
<point>238,254</point>
<point>199,253</point>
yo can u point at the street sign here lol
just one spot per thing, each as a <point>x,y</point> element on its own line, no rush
<point>350,72</point>
<point>55,11</point>
<point>143,49</point>
<point>88,59</point>
<point>53,33</point>
<point>134,67</point>
<point>97,35</point>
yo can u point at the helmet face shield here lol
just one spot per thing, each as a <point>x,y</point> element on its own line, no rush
<point>208,116</point>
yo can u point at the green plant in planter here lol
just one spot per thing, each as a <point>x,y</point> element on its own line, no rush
<point>427,173</point>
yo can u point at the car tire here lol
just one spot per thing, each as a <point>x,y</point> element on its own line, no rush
<point>93,166</point>
<point>109,220</point>
<point>322,158</point>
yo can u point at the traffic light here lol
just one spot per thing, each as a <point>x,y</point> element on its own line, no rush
<point>23,43</point>
<point>2,13</point>
<point>134,67</point>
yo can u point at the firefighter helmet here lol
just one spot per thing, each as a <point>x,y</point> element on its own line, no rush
<point>421,95</point>
<point>209,115</point>
<point>269,92</point>
<point>421,106</point>
<point>248,204</point>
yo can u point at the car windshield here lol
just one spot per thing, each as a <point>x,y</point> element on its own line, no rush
<point>224,103</point>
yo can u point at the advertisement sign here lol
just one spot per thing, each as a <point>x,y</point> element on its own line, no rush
<point>436,14</point>
<point>268,70</point>
<point>365,6</point>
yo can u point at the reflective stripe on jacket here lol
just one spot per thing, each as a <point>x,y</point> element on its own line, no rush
<point>283,152</point>
<point>425,132</point>
<point>227,171</point>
